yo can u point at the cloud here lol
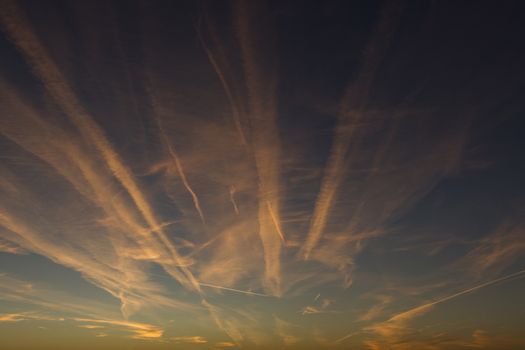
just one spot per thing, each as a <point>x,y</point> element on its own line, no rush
<point>321,308</point>
<point>478,339</point>
<point>16,24</point>
<point>352,109</point>
<point>61,303</point>
<point>376,310</point>
<point>261,80</point>
<point>12,317</point>
<point>142,331</point>
<point>197,339</point>
<point>286,331</point>
<point>90,326</point>
<point>178,165</point>
<point>114,250</point>
<point>228,324</point>
<point>137,184</point>
<point>67,305</point>
<point>24,316</point>
<point>398,326</point>
<point>7,247</point>
<point>496,251</point>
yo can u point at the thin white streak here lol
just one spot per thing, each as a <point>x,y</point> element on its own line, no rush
<point>275,222</point>
<point>181,172</point>
<point>234,290</point>
<point>406,315</point>
<point>466,291</point>
<point>216,67</point>
<point>232,199</point>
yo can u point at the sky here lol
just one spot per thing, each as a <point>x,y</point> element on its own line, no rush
<point>262,175</point>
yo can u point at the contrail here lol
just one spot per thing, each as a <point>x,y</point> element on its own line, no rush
<point>235,290</point>
<point>180,170</point>
<point>409,313</point>
<point>345,337</point>
<point>351,112</point>
<point>329,187</point>
<point>275,222</point>
<point>466,291</point>
<point>23,126</point>
<point>261,84</point>
<point>232,199</point>
<point>236,111</point>
<point>228,327</point>
<point>16,25</point>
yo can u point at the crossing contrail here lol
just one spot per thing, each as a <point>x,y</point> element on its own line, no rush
<point>235,290</point>
<point>20,31</point>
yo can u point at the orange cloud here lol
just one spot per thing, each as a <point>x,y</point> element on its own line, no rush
<point>197,339</point>
<point>139,330</point>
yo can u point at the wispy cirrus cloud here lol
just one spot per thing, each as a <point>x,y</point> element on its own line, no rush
<point>321,307</point>
<point>24,316</point>
<point>8,247</point>
<point>261,80</point>
<point>15,22</point>
<point>496,251</point>
<point>352,111</point>
<point>59,306</point>
<point>139,330</point>
<point>196,339</point>
<point>189,182</point>
<point>377,309</point>
<point>286,331</point>
<point>398,327</point>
